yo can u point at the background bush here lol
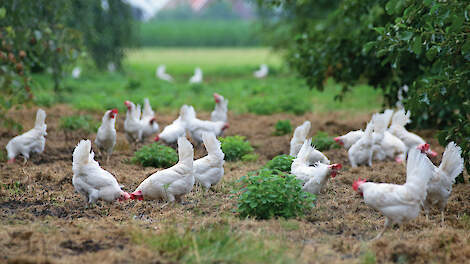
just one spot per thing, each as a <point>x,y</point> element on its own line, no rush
<point>271,193</point>
<point>235,147</point>
<point>281,162</point>
<point>282,127</point>
<point>322,141</point>
<point>79,123</point>
<point>155,155</point>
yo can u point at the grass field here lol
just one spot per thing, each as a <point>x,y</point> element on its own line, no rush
<point>228,71</point>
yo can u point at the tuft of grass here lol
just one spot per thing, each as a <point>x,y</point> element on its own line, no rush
<point>155,155</point>
<point>281,162</point>
<point>251,157</point>
<point>322,141</point>
<point>235,148</point>
<point>368,258</point>
<point>14,188</point>
<point>79,122</point>
<point>282,127</point>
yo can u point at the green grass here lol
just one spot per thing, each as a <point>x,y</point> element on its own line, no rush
<point>227,71</point>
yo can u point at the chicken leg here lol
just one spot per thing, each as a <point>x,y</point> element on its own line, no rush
<point>386,225</point>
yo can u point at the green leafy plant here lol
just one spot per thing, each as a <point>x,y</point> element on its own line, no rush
<point>281,162</point>
<point>79,123</point>
<point>271,193</point>
<point>155,155</point>
<point>235,147</point>
<point>282,127</point>
<point>322,141</point>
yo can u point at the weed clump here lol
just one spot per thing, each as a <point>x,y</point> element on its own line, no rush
<point>155,155</point>
<point>322,141</point>
<point>281,162</point>
<point>236,148</point>
<point>271,193</point>
<point>83,123</point>
<point>282,127</point>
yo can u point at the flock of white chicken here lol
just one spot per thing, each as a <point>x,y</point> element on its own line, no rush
<point>426,185</point>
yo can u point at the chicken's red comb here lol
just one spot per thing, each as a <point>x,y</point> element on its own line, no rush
<point>357,183</point>
<point>115,111</point>
<point>137,195</point>
<point>336,166</point>
<point>157,138</point>
<point>216,97</point>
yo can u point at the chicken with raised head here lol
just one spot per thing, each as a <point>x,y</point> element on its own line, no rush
<point>221,108</point>
<point>106,135</point>
<point>132,124</point>
<point>173,131</point>
<point>30,142</point>
<point>148,121</point>
<point>411,140</point>
<point>209,169</point>
<point>440,185</point>
<point>90,180</point>
<point>197,127</point>
<point>262,72</point>
<point>173,183</point>
<point>399,203</point>
<point>299,137</point>
<point>313,178</point>
<point>197,77</point>
<point>162,75</point>
<point>362,151</point>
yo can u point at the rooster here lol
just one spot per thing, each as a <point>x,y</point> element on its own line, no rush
<point>173,183</point>
<point>220,111</point>
<point>132,124</point>
<point>173,131</point>
<point>262,72</point>
<point>313,178</point>
<point>440,185</point>
<point>411,140</point>
<point>362,151</point>
<point>197,77</point>
<point>197,127</point>
<point>30,142</point>
<point>209,170</point>
<point>162,75</point>
<point>299,137</point>
<point>399,203</point>
<point>106,135</point>
<point>148,122</point>
<point>90,180</point>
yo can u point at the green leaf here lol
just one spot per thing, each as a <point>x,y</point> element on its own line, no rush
<point>466,47</point>
<point>3,12</point>
<point>431,53</point>
<point>405,35</point>
<point>417,45</point>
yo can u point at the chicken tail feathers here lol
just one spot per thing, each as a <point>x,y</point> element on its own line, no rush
<point>185,152</point>
<point>301,131</point>
<point>40,118</point>
<point>188,113</point>
<point>419,170</point>
<point>400,118</point>
<point>81,154</point>
<point>305,150</point>
<point>452,161</point>
<point>387,115</point>
<point>212,145</point>
<point>147,108</point>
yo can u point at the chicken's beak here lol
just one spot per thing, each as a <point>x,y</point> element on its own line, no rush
<point>137,195</point>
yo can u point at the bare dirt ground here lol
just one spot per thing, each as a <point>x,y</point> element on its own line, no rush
<point>45,221</point>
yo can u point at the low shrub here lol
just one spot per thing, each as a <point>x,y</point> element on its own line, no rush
<point>322,141</point>
<point>281,162</point>
<point>271,193</point>
<point>282,127</point>
<point>79,123</point>
<point>235,147</point>
<point>155,155</point>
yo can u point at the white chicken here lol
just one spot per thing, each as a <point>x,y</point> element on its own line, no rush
<point>106,135</point>
<point>173,183</point>
<point>30,142</point>
<point>162,75</point>
<point>399,203</point>
<point>197,77</point>
<point>440,185</point>
<point>209,170</point>
<point>349,139</point>
<point>299,137</point>
<point>148,121</point>
<point>90,180</point>
<point>132,124</point>
<point>262,72</point>
<point>173,131</point>
<point>313,178</point>
<point>361,152</point>
<point>221,108</point>
<point>411,140</point>
<point>197,127</point>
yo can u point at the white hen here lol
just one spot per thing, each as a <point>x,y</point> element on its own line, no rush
<point>90,180</point>
<point>30,142</point>
<point>162,75</point>
<point>399,203</point>
<point>262,72</point>
<point>299,137</point>
<point>132,124</point>
<point>173,131</point>
<point>148,121</point>
<point>197,77</point>
<point>361,152</point>
<point>209,170</point>
<point>173,183</point>
<point>221,108</point>
<point>106,135</point>
<point>197,127</point>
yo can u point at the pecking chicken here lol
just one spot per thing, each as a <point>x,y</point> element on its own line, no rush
<point>197,127</point>
<point>173,131</point>
<point>90,180</point>
<point>197,77</point>
<point>209,170</point>
<point>221,107</point>
<point>132,124</point>
<point>399,203</point>
<point>299,137</point>
<point>262,72</point>
<point>349,139</point>
<point>440,185</point>
<point>106,135</point>
<point>148,121</point>
<point>162,75</point>
<point>362,151</point>
<point>30,142</point>
<point>173,183</point>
